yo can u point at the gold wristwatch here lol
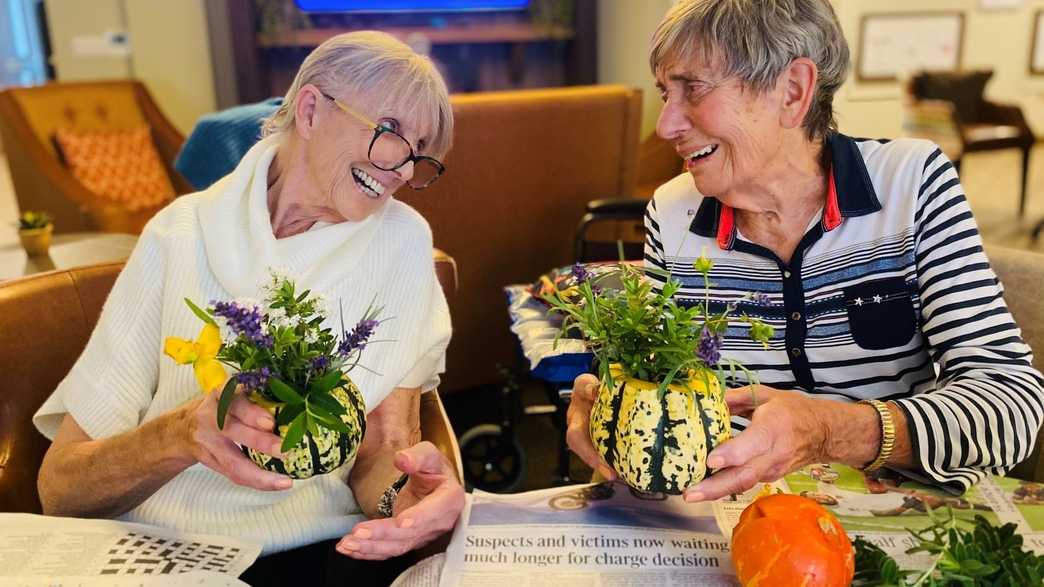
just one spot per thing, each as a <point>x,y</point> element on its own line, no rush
<point>887,434</point>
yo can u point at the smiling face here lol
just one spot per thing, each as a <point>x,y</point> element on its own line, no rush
<point>727,134</point>
<point>351,187</point>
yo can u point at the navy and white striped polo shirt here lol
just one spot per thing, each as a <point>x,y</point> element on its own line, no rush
<point>889,284</point>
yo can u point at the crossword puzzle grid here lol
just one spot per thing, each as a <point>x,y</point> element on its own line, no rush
<point>141,554</point>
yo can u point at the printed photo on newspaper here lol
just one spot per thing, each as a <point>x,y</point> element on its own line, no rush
<point>882,508</point>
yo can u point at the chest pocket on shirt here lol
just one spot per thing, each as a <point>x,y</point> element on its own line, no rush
<point>880,313</point>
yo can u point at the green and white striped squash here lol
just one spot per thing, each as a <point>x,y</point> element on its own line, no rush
<point>318,455</point>
<point>659,444</point>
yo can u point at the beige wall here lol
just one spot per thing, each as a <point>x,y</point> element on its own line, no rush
<point>68,19</point>
<point>624,29</point>
<point>995,39</point>
<point>999,40</point>
<point>169,44</point>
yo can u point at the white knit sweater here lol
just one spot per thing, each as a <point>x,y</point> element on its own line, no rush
<point>218,245</point>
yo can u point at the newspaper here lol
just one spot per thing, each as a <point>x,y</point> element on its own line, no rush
<point>595,535</point>
<point>65,551</point>
<point>882,509</point>
<point>606,535</point>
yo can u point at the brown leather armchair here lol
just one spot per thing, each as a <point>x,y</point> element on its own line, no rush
<point>28,120</point>
<point>982,125</point>
<point>45,321</point>
<point>1022,273</point>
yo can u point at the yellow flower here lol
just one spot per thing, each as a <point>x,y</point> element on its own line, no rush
<point>202,354</point>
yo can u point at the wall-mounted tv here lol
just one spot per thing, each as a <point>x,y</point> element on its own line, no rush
<point>409,5</point>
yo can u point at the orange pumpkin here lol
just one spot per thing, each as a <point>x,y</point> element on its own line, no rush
<point>788,540</point>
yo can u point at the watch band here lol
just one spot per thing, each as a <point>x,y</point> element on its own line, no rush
<point>386,502</point>
<point>887,434</point>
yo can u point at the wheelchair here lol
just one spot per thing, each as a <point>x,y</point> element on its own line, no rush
<point>493,459</point>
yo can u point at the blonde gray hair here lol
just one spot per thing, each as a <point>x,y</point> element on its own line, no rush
<point>756,40</point>
<point>379,74</point>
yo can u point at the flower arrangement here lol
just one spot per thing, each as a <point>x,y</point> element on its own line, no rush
<point>289,364</point>
<point>660,408</point>
<point>647,333</point>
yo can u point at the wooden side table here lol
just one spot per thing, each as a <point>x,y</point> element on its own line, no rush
<point>67,250</point>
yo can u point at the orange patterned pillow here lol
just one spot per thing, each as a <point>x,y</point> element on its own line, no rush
<point>122,165</point>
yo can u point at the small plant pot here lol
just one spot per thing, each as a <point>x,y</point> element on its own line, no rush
<point>36,241</point>
<point>659,443</point>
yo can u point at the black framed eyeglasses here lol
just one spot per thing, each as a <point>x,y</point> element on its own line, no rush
<point>389,151</point>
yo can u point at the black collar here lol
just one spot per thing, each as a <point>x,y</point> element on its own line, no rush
<point>853,195</point>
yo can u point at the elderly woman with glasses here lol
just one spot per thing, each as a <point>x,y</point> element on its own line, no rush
<point>893,346</point>
<point>134,439</point>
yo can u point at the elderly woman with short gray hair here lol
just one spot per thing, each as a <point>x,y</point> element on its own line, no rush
<point>893,346</point>
<point>134,439</point>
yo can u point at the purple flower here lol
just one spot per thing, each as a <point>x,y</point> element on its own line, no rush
<point>709,349</point>
<point>245,322</point>
<point>320,364</point>
<point>759,298</point>
<point>357,338</point>
<point>254,380</point>
<point>580,273</point>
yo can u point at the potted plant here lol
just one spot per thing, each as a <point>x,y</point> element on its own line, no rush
<point>34,230</point>
<point>287,363</point>
<point>660,408</point>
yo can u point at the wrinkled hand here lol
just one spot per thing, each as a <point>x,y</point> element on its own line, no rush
<point>578,419</point>
<point>246,424</point>
<point>427,507</point>
<point>787,431</point>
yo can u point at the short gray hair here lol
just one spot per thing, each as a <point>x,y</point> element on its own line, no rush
<point>757,40</point>
<point>382,73</point>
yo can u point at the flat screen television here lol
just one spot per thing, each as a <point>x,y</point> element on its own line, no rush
<point>409,5</point>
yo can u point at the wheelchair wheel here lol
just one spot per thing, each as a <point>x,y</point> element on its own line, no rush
<point>492,461</point>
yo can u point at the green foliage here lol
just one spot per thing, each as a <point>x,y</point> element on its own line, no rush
<point>649,335</point>
<point>288,358</point>
<point>981,556</point>
<point>30,220</point>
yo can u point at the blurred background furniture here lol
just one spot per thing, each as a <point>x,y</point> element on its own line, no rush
<point>220,139</point>
<point>523,167</point>
<point>981,125</point>
<point>1022,273</point>
<point>658,163</point>
<point>75,249</point>
<point>29,119</point>
<point>45,321</point>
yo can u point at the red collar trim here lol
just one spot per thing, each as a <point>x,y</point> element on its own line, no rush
<point>726,228</point>
<point>831,216</point>
<point>832,213</point>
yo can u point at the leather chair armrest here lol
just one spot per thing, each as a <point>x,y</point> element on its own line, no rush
<point>436,428</point>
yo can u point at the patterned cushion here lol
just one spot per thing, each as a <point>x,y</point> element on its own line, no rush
<point>123,166</point>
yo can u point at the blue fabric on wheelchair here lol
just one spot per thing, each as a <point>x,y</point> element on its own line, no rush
<point>220,140</point>
<point>536,331</point>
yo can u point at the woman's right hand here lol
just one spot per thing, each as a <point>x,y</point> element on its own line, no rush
<point>246,424</point>
<point>578,430</point>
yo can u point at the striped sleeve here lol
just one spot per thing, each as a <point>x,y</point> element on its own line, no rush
<point>653,241</point>
<point>984,414</point>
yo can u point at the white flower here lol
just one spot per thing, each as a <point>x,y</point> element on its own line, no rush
<point>276,277</point>
<point>277,318</point>
<point>311,336</point>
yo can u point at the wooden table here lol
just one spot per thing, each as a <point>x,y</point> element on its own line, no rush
<point>67,250</point>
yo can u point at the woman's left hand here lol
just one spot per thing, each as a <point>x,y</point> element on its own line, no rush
<point>787,431</point>
<point>427,507</point>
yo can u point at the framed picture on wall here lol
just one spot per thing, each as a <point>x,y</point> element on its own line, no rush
<point>1036,60</point>
<point>893,44</point>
